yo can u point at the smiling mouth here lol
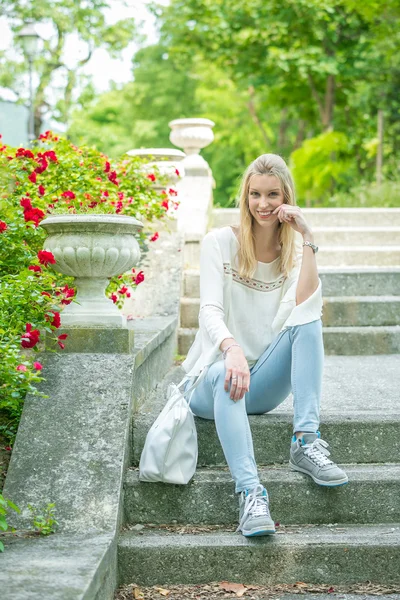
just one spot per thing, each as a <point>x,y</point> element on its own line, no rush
<point>264,214</point>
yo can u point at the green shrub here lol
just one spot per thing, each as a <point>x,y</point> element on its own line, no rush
<point>55,177</point>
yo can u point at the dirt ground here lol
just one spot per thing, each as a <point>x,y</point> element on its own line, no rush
<point>224,589</point>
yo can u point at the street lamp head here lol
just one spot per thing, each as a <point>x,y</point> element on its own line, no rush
<point>29,38</point>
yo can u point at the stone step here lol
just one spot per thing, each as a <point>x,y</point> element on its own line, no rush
<point>358,256</point>
<point>338,311</point>
<point>321,554</point>
<point>326,217</point>
<point>361,438</point>
<point>350,341</point>
<point>358,311</point>
<point>330,256</point>
<point>360,416</point>
<point>354,236</point>
<point>346,341</point>
<point>366,281</point>
<point>372,496</point>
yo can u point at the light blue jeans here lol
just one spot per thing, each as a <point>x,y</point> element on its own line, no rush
<point>293,362</point>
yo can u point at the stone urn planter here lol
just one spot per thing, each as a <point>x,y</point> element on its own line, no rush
<point>167,160</point>
<point>92,248</point>
<point>192,135</point>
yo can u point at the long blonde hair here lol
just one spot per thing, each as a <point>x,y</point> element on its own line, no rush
<point>266,164</point>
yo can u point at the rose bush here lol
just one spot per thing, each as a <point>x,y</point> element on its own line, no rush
<point>52,178</point>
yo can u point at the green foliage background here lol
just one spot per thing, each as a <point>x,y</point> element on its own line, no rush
<point>302,78</point>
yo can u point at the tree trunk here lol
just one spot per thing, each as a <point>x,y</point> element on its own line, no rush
<point>283,126</point>
<point>256,119</point>
<point>379,154</point>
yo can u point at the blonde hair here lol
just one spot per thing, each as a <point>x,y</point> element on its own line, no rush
<point>266,164</point>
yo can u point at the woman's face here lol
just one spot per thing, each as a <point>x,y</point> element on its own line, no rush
<point>265,195</point>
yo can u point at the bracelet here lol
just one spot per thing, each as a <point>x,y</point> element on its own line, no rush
<point>228,348</point>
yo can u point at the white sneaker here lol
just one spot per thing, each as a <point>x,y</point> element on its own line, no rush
<point>254,517</point>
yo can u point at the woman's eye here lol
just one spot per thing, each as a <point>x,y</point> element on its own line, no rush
<point>273,193</point>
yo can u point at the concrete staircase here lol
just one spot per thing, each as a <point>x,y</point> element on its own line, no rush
<point>359,264</point>
<point>186,534</point>
<point>348,535</point>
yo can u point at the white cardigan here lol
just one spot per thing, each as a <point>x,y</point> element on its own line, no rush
<point>218,275</point>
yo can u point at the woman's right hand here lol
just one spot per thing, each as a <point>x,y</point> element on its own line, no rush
<point>237,373</point>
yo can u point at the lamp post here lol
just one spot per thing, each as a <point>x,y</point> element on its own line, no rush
<point>29,39</point>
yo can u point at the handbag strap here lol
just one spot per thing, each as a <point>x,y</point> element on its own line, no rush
<point>199,379</point>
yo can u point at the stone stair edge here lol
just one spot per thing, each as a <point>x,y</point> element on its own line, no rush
<point>374,535</point>
<point>321,554</point>
<point>347,299</point>
<point>359,472</point>
<point>363,269</point>
<point>332,210</point>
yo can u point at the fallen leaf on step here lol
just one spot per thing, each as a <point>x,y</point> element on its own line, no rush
<point>162,591</point>
<point>137,593</point>
<point>236,588</point>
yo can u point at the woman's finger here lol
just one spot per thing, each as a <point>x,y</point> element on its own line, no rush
<point>228,375</point>
<point>238,390</point>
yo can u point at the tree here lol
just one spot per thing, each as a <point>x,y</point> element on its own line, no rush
<point>301,49</point>
<point>86,21</point>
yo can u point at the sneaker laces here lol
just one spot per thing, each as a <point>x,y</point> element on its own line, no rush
<point>318,453</point>
<point>256,505</point>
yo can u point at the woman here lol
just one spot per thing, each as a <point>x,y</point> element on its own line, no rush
<point>260,335</point>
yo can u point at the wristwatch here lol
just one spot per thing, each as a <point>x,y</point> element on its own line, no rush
<point>313,246</point>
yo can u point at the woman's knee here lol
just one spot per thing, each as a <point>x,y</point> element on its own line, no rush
<point>312,330</point>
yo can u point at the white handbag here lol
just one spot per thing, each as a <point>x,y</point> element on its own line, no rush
<point>170,450</point>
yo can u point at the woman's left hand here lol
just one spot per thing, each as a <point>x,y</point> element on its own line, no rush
<point>293,216</point>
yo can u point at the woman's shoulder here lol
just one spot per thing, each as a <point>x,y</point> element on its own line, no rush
<point>223,236</point>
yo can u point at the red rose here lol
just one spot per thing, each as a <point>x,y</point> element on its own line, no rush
<point>63,336</point>
<point>51,155</point>
<point>35,269</point>
<point>26,153</point>
<point>177,172</point>
<point>139,277</point>
<point>114,298</point>
<point>3,226</point>
<point>68,194</point>
<point>22,368</point>
<point>56,321</point>
<point>107,167</point>
<point>165,204</point>
<point>32,177</point>
<point>154,237</point>
<point>113,177</point>
<point>38,366</point>
<point>123,290</point>
<point>31,337</point>
<point>41,190</point>
<point>45,293</point>
<point>172,192</point>
<point>26,203</point>
<point>43,164</point>
<point>151,176</point>
<point>46,258</point>
<point>34,214</point>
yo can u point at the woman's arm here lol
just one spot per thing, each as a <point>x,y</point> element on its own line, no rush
<point>308,278</point>
<point>212,317</point>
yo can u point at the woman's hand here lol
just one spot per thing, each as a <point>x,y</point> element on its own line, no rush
<point>237,372</point>
<point>293,216</point>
